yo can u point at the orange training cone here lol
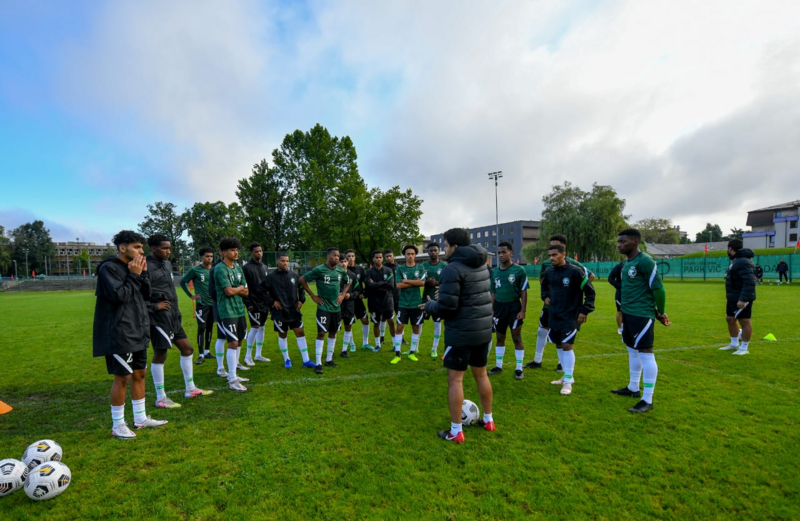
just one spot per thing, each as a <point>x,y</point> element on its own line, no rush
<point>4,408</point>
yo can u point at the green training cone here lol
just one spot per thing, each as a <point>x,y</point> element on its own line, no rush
<point>771,338</point>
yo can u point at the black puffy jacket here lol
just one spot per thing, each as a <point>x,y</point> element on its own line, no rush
<point>464,301</point>
<point>162,287</point>
<point>121,321</point>
<point>740,282</point>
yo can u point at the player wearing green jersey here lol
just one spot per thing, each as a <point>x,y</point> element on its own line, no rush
<point>410,278</point>
<point>231,286</point>
<point>199,277</point>
<point>328,277</point>
<point>544,317</point>
<point>643,302</point>
<point>348,307</point>
<point>509,304</point>
<point>433,268</point>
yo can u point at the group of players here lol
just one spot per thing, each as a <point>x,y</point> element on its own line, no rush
<point>137,304</point>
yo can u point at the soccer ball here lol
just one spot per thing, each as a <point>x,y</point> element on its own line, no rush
<point>12,476</point>
<point>47,480</point>
<point>41,452</point>
<point>469,413</point>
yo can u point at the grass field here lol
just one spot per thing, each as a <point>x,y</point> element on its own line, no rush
<point>360,441</point>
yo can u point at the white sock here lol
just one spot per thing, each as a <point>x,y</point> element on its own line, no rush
<point>157,370</point>
<point>348,339</point>
<point>414,342</point>
<point>139,411</point>
<point>239,355</point>
<point>383,329</point>
<point>283,345</point>
<point>455,428</point>
<point>331,349</point>
<point>219,350</point>
<point>744,346</point>
<point>740,335</point>
<point>520,353</point>
<point>320,347</point>
<point>487,417</point>
<point>735,341</point>
<point>251,341</point>
<point>302,345</point>
<point>118,414</point>
<point>437,334</point>
<point>635,365</point>
<point>568,363</point>
<point>364,334</point>
<point>541,342</point>
<point>188,372</point>
<point>650,373</point>
<point>260,340</point>
<point>499,351</point>
<point>560,359</point>
<point>233,360</point>
<point>397,342</point>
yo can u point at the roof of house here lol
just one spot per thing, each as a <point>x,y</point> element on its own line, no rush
<point>790,204</point>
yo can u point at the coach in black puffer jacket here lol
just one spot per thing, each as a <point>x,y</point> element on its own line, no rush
<point>464,301</point>
<point>740,282</point>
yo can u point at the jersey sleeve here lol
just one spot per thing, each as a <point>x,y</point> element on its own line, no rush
<point>522,280</point>
<point>220,280</point>
<point>492,287</point>
<point>650,268</point>
<point>313,275</point>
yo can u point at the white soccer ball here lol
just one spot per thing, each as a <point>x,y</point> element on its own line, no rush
<point>12,476</point>
<point>41,452</point>
<point>47,480</point>
<point>469,413</point>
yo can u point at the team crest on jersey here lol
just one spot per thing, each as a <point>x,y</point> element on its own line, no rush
<point>512,278</point>
<point>416,273</point>
<point>565,280</point>
<point>632,272</point>
<point>439,272</point>
<point>292,280</point>
<point>384,276</point>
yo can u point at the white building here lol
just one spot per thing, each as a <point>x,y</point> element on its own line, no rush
<point>773,227</point>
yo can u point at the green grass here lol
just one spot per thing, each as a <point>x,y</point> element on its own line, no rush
<point>724,253</point>
<point>360,441</point>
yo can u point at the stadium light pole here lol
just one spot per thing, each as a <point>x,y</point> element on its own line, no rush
<point>496,175</point>
<point>27,271</point>
<point>16,275</point>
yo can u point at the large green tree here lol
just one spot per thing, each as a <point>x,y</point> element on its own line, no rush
<point>657,230</point>
<point>711,233</point>
<point>266,197</point>
<point>34,239</point>
<point>391,222</point>
<point>164,219</point>
<point>207,223</point>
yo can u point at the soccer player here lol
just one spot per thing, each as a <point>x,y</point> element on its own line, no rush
<point>740,291</point>
<point>433,268</point>
<point>256,303</point>
<point>219,346</point>
<point>643,301</point>
<point>388,257</point>
<point>782,269</point>
<point>615,279</point>
<point>570,295</point>
<point>466,307</point>
<point>199,276</point>
<point>759,271</point>
<point>348,307</point>
<point>544,317</point>
<point>410,278</point>
<point>509,303</point>
<point>165,323</point>
<point>380,288</point>
<point>359,289</point>
<point>328,277</point>
<point>283,288</point>
<point>231,287</point>
<point>121,329</point>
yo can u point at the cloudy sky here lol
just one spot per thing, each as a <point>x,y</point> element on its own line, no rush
<point>691,110</point>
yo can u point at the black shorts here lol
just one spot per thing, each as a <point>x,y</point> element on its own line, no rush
<point>360,309</point>
<point>731,310</point>
<point>558,337</point>
<point>126,363</point>
<point>215,312</point>
<point>618,300</point>
<point>280,326</point>
<point>257,318</point>
<point>505,316</point>
<point>411,316</point>
<point>232,329</point>
<point>204,316</point>
<point>328,322</point>
<point>637,332</point>
<point>381,315</point>
<point>163,337</point>
<point>348,313</point>
<point>459,358</point>
<point>544,318</point>
<point>434,317</point>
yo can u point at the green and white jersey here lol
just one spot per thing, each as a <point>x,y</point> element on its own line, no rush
<point>328,285</point>
<point>410,298</point>
<point>639,278</point>
<point>508,284</point>
<point>432,271</point>
<point>199,277</point>
<point>224,277</point>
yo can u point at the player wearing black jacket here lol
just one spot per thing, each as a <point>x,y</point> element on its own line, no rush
<point>348,308</point>
<point>740,293</point>
<point>286,296</point>
<point>359,289</point>
<point>388,259</point>
<point>255,272</point>
<point>165,323</point>
<point>569,294</point>
<point>380,288</point>
<point>615,279</point>
<point>121,329</point>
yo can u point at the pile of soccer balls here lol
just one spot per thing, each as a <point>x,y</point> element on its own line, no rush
<point>40,472</point>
